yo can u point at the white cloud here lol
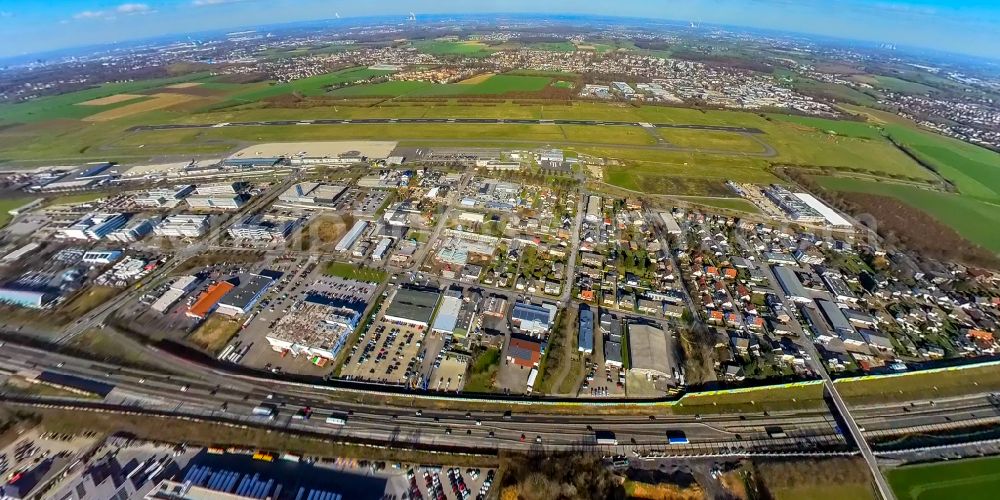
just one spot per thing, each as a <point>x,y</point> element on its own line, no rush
<point>133,8</point>
<point>6,14</point>
<point>90,14</point>
<point>207,3</point>
<point>125,9</point>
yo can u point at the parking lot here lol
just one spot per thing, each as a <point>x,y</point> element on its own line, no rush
<point>391,353</point>
<point>444,483</point>
<point>41,455</point>
<point>284,300</point>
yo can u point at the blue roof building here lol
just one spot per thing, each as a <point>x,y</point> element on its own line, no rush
<point>585,339</point>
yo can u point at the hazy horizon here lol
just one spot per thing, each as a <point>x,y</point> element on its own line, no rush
<point>968,27</point>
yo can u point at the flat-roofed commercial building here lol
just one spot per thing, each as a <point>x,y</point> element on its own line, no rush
<point>209,300</point>
<point>585,337</point>
<point>531,318</point>
<point>261,228</point>
<point>594,211</point>
<point>168,197</point>
<point>25,297</point>
<point>133,232</point>
<point>312,194</point>
<point>791,285</point>
<point>319,329</point>
<point>94,226</point>
<point>448,312</point>
<point>648,350</point>
<point>182,226</point>
<point>413,305</point>
<point>241,299</point>
<point>352,236</point>
<point>670,223</point>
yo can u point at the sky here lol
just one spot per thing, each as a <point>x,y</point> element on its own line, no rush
<point>962,26</point>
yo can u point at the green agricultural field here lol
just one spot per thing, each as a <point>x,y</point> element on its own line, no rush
<point>902,86</point>
<point>969,479</point>
<point>711,140</point>
<point>494,85</point>
<point>562,84</point>
<point>974,219</point>
<point>313,86</point>
<point>64,106</point>
<point>973,169</point>
<point>449,48</point>
<point>738,204</point>
<point>845,128</point>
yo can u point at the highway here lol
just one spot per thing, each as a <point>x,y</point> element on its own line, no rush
<point>465,121</point>
<point>218,396</point>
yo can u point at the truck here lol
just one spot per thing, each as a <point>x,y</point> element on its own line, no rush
<point>677,437</point>
<point>336,419</point>
<point>605,438</point>
<point>264,410</point>
<point>775,432</point>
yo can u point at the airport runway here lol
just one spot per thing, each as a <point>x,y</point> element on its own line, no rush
<point>466,121</point>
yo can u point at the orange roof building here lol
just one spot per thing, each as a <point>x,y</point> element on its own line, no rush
<point>209,299</point>
<point>981,335</point>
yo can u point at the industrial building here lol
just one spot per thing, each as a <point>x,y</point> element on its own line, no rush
<point>182,226</point>
<point>165,197</point>
<point>248,290</point>
<point>533,319</point>
<point>648,354</point>
<point>94,226</point>
<point>101,257</point>
<point>262,228</point>
<point>221,196</point>
<point>209,299</point>
<point>413,305</point>
<point>670,223</point>
<point>835,318</point>
<point>26,296</point>
<point>382,249</point>
<point>352,236</point>
<point>312,194</point>
<point>791,285</point>
<point>447,315</point>
<point>525,353</point>
<point>133,232</point>
<point>585,337</point>
<point>263,162</point>
<point>594,211</point>
<point>319,329</point>
<point>16,254</point>
<point>88,176</point>
<point>183,285</point>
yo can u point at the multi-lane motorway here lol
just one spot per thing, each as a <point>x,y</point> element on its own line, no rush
<point>212,395</point>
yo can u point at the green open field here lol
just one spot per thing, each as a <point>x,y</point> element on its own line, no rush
<point>494,85</point>
<point>969,479</point>
<point>847,128</point>
<point>65,106</point>
<point>313,86</point>
<point>901,86</point>
<point>974,219</point>
<point>710,139</point>
<point>355,272</point>
<point>738,204</point>
<point>825,492</point>
<point>974,170</point>
<point>450,48</point>
<point>10,203</point>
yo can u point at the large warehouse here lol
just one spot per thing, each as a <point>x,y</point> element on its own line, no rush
<point>648,353</point>
<point>413,305</point>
